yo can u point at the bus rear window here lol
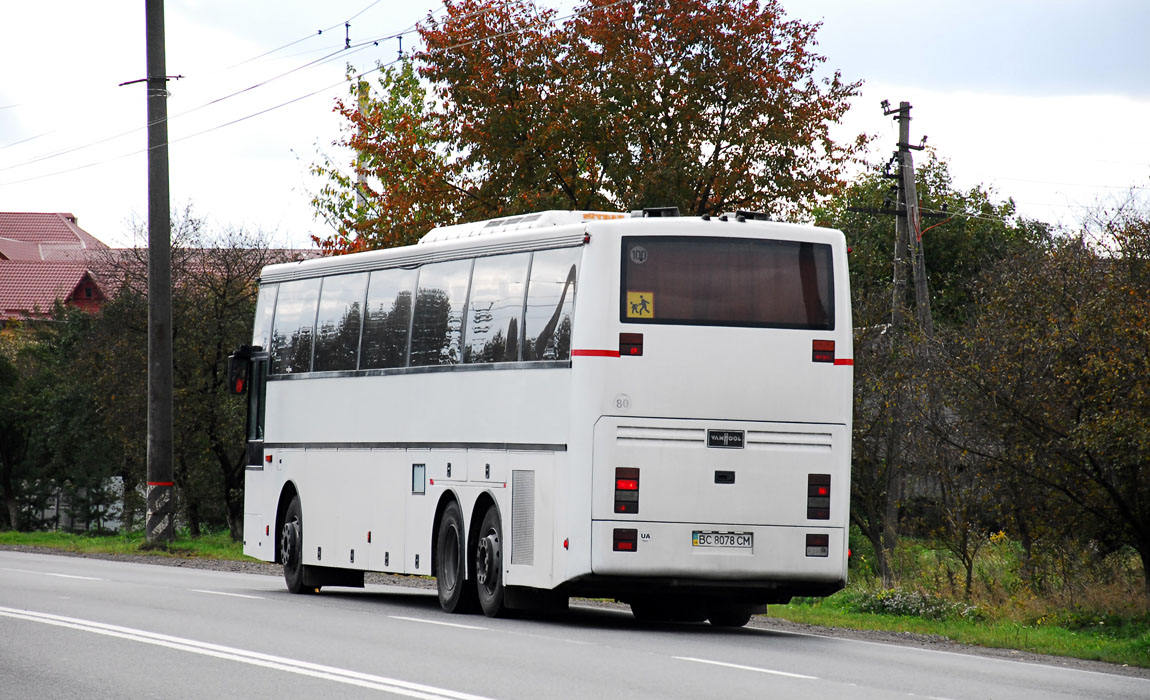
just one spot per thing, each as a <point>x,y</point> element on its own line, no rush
<point>694,280</point>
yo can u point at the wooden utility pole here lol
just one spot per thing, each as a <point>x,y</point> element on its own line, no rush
<point>908,230</point>
<point>160,524</point>
<point>361,161</point>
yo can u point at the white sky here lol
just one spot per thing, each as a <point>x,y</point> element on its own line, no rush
<point>1048,101</point>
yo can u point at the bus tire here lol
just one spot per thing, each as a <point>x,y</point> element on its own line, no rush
<point>729,615</point>
<point>291,548</point>
<point>455,593</point>
<point>489,564</point>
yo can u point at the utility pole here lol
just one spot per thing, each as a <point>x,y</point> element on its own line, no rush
<point>360,160</point>
<point>908,229</point>
<point>160,524</point>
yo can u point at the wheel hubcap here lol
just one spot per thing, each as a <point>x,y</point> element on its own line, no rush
<point>487,566</point>
<point>289,543</point>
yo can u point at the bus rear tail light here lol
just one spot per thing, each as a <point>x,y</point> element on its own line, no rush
<point>630,344</point>
<point>625,539</point>
<point>818,545</point>
<point>627,490</point>
<point>823,351</point>
<point>818,496</point>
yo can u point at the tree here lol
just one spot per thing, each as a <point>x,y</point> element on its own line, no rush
<point>214,278</point>
<point>13,437</point>
<point>708,105</point>
<point>897,393</point>
<point>409,185</point>
<point>54,439</point>
<point>1055,367</point>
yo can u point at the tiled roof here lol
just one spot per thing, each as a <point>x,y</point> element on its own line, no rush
<point>32,287</point>
<point>48,233</point>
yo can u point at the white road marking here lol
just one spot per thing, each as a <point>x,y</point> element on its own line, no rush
<point>230,595</point>
<point>747,668</point>
<point>277,663</point>
<point>48,573</point>
<point>436,622</point>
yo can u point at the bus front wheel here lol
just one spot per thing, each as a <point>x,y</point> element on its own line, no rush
<point>291,548</point>
<point>455,595</point>
<point>489,564</point>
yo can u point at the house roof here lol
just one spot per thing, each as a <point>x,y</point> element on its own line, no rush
<point>28,287</point>
<point>44,236</point>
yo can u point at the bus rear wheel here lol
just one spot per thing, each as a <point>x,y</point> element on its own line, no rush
<point>291,548</point>
<point>455,593</point>
<point>489,564</point>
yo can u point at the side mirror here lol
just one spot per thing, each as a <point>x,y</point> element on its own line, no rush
<point>239,366</point>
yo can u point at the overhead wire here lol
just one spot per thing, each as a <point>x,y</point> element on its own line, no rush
<point>341,53</point>
<point>358,76</point>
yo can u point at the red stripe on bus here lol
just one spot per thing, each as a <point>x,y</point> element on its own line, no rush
<point>844,361</point>
<point>595,353</point>
<point>161,483</point>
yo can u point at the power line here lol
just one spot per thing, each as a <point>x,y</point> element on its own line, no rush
<point>343,52</point>
<point>359,76</point>
<point>318,32</point>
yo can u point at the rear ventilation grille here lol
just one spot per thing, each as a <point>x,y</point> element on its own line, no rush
<point>634,435</point>
<point>778,439</point>
<point>666,437</point>
<point>523,517</point>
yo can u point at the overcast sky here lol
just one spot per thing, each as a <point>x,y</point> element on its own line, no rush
<point>1047,101</point>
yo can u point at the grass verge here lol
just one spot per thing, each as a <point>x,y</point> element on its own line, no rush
<point>1127,642</point>
<point>211,546</point>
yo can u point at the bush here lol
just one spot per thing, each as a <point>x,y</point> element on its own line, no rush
<point>898,601</point>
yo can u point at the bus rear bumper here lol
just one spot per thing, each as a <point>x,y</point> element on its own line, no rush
<point>723,554</point>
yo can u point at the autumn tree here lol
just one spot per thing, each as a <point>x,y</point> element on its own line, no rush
<point>1055,368</point>
<point>407,186</point>
<point>708,105</point>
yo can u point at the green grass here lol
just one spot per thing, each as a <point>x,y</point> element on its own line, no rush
<point>211,546</point>
<point>1122,642</point>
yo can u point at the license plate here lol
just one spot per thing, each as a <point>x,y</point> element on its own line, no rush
<point>727,540</point>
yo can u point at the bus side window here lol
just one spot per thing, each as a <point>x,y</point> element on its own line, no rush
<point>294,326</point>
<point>495,308</point>
<point>387,318</point>
<point>437,326</point>
<point>550,304</point>
<point>337,326</point>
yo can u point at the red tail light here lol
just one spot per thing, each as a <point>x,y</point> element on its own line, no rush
<point>627,490</point>
<point>823,351</point>
<point>818,496</point>
<point>625,539</point>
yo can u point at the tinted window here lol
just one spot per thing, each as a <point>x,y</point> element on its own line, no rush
<point>495,308</point>
<point>265,306</point>
<point>388,318</point>
<point>437,329</point>
<point>550,303</point>
<point>294,326</point>
<point>337,326</point>
<point>726,281</point>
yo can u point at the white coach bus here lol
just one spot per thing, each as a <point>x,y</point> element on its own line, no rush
<point>640,406</point>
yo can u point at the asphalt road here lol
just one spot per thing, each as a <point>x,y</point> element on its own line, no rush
<point>87,628</point>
